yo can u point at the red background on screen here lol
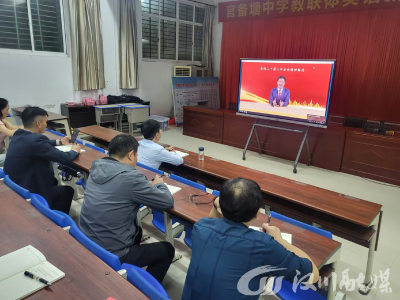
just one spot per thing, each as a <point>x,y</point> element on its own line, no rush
<point>312,84</point>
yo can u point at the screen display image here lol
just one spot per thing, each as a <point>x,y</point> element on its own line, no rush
<point>288,90</point>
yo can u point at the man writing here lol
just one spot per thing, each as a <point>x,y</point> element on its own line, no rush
<point>114,192</point>
<point>279,96</point>
<point>152,154</point>
<point>30,156</point>
<point>225,248</point>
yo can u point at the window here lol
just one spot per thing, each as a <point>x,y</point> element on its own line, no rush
<point>39,28</point>
<point>172,30</point>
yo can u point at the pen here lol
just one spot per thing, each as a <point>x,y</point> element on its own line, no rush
<point>269,219</point>
<point>29,274</point>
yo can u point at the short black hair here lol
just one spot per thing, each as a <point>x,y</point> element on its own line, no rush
<point>240,199</point>
<point>121,145</point>
<point>281,77</point>
<point>30,114</point>
<point>3,104</point>
<point>150,128</point>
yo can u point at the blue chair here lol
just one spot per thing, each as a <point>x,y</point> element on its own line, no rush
<point>24,193</point>
<point>215,193</point>
<point>2,174</point>
<point>79,141</point>
<point>146,283</point>
<point>144,279</point>
<point>188,182</point>
<point>150,168</point>
<point>82,183</point>
<point>95,147</point>
<point>58,217</point>
<point>286,290</point>
<point>8,115</point>
<point>158,222</point>
<point>57,133</point>
<point>302,225</point>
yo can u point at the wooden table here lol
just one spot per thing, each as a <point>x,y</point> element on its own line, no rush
<point>85,159</point>
<point>52,117</point>
<point>101,133</point>
<point>86,276</point>
<point>351,218</point>
<point>324,252</point>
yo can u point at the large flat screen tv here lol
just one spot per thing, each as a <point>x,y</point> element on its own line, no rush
<point>295,91</point>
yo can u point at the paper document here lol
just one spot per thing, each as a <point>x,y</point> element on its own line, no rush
<point>286,236</point>
<point>173,189</point>
<point>67,148</point>
<point>14,284</point>
<point>182,154</point>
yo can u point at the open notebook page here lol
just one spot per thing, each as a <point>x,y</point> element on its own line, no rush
<point>182,154</point>
<point>19,261</point>
<point>20,286</point>
<point>286,236</point>
<point>67,148</point>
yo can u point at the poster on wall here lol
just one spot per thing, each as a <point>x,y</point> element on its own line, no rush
<point>193,91</point>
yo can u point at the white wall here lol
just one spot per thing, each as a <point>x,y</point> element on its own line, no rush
<point>46,81</point>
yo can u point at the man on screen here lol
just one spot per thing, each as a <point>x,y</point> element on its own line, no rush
<point>280,96</point>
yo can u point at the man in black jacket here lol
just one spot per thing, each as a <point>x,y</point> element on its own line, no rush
<point>30,156</point>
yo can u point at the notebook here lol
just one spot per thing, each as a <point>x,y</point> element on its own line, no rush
<point>67,148</point>
<point>182,154</point>
<point>14,284</point>
<point>286,236</point>
<point>173,189</point>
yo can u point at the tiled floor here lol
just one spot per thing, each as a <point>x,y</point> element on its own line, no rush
<point>353,257</point>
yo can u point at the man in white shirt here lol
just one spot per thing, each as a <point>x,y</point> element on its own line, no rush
<point>280,96</point>
<point>152,154</point>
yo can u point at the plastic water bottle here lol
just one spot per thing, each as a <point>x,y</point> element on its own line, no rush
<point>201,153</point>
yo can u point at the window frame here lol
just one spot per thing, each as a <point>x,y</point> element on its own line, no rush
<point>177,20</point>
<point>33,51</point>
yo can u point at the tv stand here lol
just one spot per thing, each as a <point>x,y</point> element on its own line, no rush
<point>305,139</point>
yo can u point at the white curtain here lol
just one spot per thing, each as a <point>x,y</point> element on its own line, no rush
<point>128,52</point>
<point>86,45</point>
<point>208,58</point>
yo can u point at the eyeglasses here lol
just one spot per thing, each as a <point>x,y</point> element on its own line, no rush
<point>194,200</point>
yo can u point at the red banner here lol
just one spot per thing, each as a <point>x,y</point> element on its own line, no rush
<point>253,9</point>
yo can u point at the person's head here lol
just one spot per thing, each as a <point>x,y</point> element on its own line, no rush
<point>151,130</point>
<point>124,148</point>
<point>240,199</point>
<point>35,119</point>
<point>4,107</point>
<point>281,81</point>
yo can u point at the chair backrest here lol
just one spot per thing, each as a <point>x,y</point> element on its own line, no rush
<point>302,225</point>
<point>146,283</point>
<point>95,147</point>
<point>215,193</point>
<point>24,193</point>
<point>188,182</point>
<point>149,168</point>
<point>110,259</point>
<point>57,133</point>
<point>58,217</point>
<point>2,174</point>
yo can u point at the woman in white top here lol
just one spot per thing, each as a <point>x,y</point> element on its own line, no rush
<point>6,128</point>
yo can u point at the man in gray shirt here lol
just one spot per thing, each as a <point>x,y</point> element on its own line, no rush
<point>114,192</point>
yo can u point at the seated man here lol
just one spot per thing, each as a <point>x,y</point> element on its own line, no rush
<point>226,249</point>
<point>29,157</point>
<point>152,154</point>
<point>114,192</point>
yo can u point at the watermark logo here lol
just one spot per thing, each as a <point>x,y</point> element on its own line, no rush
<point>347,283</point>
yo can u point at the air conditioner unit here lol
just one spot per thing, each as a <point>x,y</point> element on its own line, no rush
<point>180,71</point>
<point>190,71</point>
